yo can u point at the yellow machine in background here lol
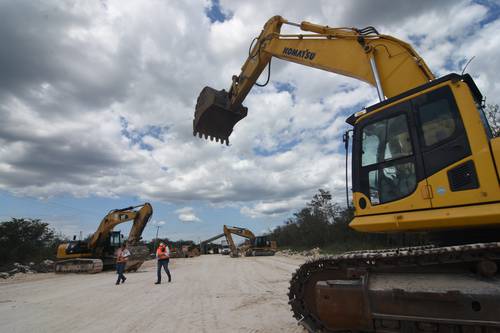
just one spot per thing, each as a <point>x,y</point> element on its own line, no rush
<point>423,159</point>
<point>99,252</point>
<point>256,246</point>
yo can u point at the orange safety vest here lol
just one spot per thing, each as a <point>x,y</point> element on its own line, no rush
<point>161,252</point>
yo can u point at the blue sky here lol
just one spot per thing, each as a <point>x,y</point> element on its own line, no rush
<point>97,105</point>
<point>71,215</point>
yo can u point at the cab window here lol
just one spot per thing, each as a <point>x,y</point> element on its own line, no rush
<point>392,183</point>
<point>386,156</point>
<point>115,239</point>
<point>437,121</point>
<point>386,140</point>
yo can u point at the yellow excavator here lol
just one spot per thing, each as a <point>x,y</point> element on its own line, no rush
<point>99,252</point>
<point>423,160</point>
<point>256,246</point>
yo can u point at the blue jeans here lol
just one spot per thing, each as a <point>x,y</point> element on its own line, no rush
<point>120,268</point>
<point>163,263</point>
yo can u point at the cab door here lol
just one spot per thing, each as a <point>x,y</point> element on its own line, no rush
<point>388,173</point>
<point>451,169</point>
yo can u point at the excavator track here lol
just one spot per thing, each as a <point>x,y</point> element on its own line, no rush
<point>79,265</point>
<point>415,289</point>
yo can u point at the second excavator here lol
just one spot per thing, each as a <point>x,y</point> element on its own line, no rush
<point>423,159</point>
<point>256,246</point>
<point>98,252</point>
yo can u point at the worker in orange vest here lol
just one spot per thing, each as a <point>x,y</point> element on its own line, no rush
<point>163,256</point>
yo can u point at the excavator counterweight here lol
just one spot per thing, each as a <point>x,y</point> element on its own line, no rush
<point>214,117</point>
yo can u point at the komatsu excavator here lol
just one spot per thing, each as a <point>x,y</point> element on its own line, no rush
<point>257,245</point>
<point>99,252</point>
<point>423,159</point>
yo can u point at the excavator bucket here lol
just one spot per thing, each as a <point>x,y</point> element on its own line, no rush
<point>213,117</point>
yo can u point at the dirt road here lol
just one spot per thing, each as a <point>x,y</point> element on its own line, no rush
<point>211,293</point>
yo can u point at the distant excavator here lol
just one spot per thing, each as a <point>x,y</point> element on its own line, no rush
<point>99,252</point>
<point>256,246</point>
<point>423,160</point>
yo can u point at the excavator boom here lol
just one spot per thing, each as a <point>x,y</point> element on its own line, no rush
<point>383,61</point>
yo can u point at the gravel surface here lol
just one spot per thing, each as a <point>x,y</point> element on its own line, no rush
<point>211,293</point>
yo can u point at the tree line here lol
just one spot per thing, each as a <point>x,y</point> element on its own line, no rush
<point>31,240</point>
<point>325,224</point>
<point>25,240</point>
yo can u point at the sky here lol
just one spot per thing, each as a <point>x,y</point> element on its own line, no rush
<point>97,100</point>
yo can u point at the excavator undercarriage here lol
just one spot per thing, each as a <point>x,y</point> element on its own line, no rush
<point>418,289</point>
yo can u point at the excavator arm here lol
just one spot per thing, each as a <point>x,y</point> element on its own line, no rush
<point>141,218</point>
<point>117,216</point>
<point>387,63</point>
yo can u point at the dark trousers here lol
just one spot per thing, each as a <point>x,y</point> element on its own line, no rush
<point>163,263</point>
<point>120,268</point>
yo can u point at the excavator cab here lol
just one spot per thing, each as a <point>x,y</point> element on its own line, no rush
<point>214,117</point>
<point>115,239</point>
<point>425,160</point>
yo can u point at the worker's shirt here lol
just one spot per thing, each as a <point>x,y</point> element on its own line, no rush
<point>122,255</point>
<point>163,253</point>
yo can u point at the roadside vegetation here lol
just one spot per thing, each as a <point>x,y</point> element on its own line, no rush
<point>27,240</point>
<point>325,224</point>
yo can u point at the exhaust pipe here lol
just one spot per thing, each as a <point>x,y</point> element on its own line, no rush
<point>213,117</point>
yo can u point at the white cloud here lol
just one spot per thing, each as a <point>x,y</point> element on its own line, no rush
<point>272,208</point>
<point>158,223</point>
<point>98,100</point>
<point>187,215</point>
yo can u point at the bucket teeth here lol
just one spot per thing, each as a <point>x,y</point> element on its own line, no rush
<point>211,137</point>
